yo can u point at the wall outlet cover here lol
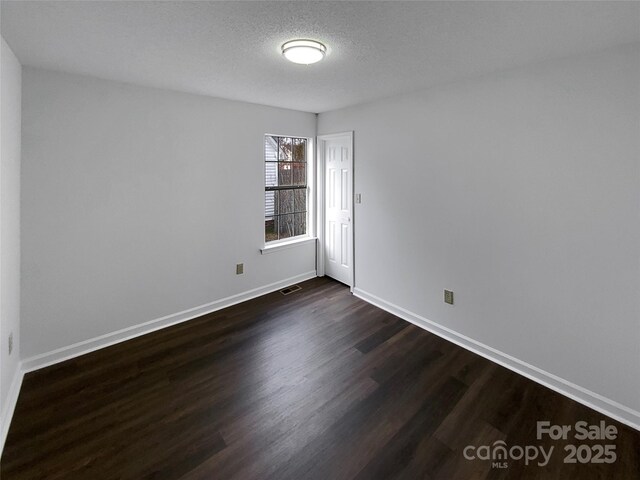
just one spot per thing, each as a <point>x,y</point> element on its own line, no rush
<point>448,297</point>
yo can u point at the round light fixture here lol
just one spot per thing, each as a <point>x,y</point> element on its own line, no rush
<point>304,52</point>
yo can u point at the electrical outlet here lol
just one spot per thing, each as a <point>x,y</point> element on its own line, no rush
<point>358,198</point>
<point>448,297</point>
<point>239,268</point>
<point>10,343</point>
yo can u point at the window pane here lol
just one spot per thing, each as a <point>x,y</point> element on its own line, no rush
<point>284,174</point>
<point>271,229</point>
<point>299,173</point>
<point>300,200</point>
<point>270,149</point>
<point>285,226</point>
<point>271,174</point>
<point>300,223</point>
<point>299,149</point>
<point>285,201</point>
<point>285,149</point>
<point>270,205</point>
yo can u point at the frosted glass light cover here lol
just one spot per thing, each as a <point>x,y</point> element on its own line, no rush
<point>304,52</point>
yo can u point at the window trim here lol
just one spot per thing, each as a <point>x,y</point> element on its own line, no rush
<point>278,245</point>
<point>310,235</point>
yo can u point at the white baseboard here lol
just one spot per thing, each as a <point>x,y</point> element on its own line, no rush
<point>65,353</point>
<point>10,406</point>
<point>591,399</point>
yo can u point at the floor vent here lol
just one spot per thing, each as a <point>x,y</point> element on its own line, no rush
<point>291,289</point>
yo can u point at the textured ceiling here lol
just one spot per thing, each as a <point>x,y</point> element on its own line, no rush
<point>375,49</point>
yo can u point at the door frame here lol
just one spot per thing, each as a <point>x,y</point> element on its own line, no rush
<point>321,185</point>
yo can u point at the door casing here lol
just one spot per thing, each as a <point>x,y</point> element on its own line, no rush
<point>320,218</point>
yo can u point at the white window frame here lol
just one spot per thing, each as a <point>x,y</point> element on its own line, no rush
<point>310,236</point>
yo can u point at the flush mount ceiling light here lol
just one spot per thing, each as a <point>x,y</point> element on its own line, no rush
<point>304,52</point>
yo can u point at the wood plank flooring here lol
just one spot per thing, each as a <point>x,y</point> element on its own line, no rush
<point>313,385</point>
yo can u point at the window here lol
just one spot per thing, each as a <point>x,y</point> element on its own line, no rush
<point>285,191</point>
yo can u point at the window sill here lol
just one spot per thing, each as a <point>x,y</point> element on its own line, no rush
<point>276,247</point>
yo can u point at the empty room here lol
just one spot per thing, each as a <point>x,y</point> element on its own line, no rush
<point>332,240</point>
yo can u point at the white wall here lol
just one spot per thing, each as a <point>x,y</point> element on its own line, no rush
<point>10,73</point>
<point>138,203</point>
<point>520,191</point>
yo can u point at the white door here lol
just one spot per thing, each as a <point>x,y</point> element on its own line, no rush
<point>338,227</point>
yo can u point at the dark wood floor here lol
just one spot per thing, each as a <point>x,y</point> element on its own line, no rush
<point>313,385</point>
